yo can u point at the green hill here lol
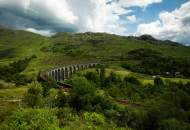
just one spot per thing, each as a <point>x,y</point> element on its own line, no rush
<point>65,48</point>
<point>125,93</point>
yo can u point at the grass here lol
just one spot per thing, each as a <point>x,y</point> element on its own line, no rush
<point>4,85</point>
<point>10,99</point>
<point>64,49</point>
<point>14,93</point>
<point>145,79</point>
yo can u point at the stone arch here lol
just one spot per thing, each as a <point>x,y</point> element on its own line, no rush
<point>56,75</point>
<point>74,68</point>
<point>71,70</point>
<point>49,73</point>
<point>79,67</point>
<point>62,73</point>
<point>66,73</point>
<point>53,74</point>
<point>82,66</point>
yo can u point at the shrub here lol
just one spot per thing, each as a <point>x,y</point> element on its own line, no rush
<point>94,118</point>
<point>158,81</point>
<point>34,96</point>
<point>31,119</point>
<point>173,124</point>
<point>132,80</point>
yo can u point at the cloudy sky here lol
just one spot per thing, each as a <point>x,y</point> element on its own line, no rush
<point>164,19</point>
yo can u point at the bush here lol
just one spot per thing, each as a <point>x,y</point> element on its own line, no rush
<point>34,96</point>
<point>94,118</point>
<point>173,124</point>
<point>31,119</point>
<point>158,81</point>
<point>132,80</point>
<point>66,115</point>
<point>11,72</point>
<point>91,76</point>
<point>47,86</point>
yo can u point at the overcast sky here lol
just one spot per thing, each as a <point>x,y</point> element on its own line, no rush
<point>163,19</point>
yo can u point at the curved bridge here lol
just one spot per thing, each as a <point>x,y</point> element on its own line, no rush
<point>62,73</point>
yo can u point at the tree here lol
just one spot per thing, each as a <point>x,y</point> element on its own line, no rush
<point>174,124</point>
<point>158,81</point>
<point>47,86</point>
<point>132,80</point>
<point>34,96</point>
<point>82,93</point>
<point>102,76</point>
<point>92,76</point>
<point>62,98</point>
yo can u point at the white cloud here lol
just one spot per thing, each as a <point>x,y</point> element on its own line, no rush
<point>139,3</point>
<point>72,15</point>
<point>132,18</point>
<point>173,25</point>
<point>41,32</point>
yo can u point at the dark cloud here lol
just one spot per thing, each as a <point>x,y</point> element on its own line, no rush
<point>23,21</point>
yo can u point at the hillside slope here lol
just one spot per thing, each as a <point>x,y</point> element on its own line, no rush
<point>65,48</point>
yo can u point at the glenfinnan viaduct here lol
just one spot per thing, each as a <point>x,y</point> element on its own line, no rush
<point>62,73</point>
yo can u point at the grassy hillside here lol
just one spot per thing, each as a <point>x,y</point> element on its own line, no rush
<point>65,48</point>
<point>106,46</point>
<point>123,94</point>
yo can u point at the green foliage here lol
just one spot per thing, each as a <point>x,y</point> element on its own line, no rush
<point>102,76</point>
<point>12,72</point>
<point>154,63</point>
<point>98,100</point>
<point>65,48</point>
<point>47,86</point>
<point>62,99</point>
<point>66,115</point>
<point>158,81</point>
<point>34,96</point>
<point>93,76</point>
<point>84,96</point>
<point>31,119</point>
<point>173,124</point>
<point>132,80</point>
<point>138,54</point>
<point>94,118</point>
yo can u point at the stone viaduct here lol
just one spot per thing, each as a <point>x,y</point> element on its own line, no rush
<point>62,73</point>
